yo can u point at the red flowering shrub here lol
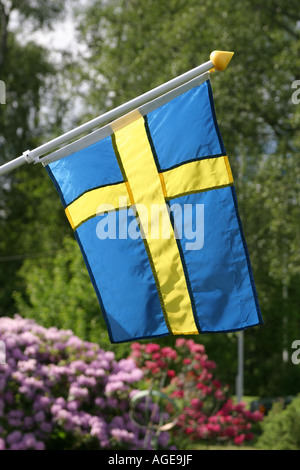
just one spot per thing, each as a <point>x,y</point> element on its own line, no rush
<point>185,373</point>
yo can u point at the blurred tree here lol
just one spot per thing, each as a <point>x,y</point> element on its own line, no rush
<point>60,294</point>
<point>29,221</point>
<point>71,302</point>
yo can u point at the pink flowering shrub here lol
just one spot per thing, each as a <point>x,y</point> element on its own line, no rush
<point>185,373</point>
<point>59,392</point>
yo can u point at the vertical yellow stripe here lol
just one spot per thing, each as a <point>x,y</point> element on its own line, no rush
<point>230,177</point>
<point>163,184</point>
<point>147,192</point>
<point>129,193</point>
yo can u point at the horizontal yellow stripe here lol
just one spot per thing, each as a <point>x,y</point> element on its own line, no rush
<point>190,177</point>
<point>97,201</point>
<point>196,176</point>
<point>139,166</point>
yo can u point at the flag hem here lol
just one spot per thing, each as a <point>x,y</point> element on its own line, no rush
<point>250,272</point>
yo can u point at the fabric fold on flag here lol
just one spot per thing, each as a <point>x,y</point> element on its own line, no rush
<point>154,210</point>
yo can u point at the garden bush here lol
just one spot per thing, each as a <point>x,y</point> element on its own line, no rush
<point>205,411</point>
<point>60,392</point>
<point>281,427</point>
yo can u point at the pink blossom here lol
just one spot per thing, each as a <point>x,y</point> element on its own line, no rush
<point>77,392</point>
<point>46,427</point>
<point>29,441</point>
<point>178,393</point>
<point>195,402</point>
<point>9,397</point>
<point>180,342</point>
<point>45,369</point>
<point>171,373</point>
<point>122,435</point>
<point>194,347</point>
<point>114,386</point>
<point>28,422</point>
<point>13,437</point>
<point>41,402</point>
<point>73,405</point>
<point>60,401</point>
<point>151,347</point>
<point>40,416</point>
<point>39,445</point>
<point>62,414</point>
<point>187,361</point>
<point>100,401</point>
<point>219,395</point>
<point>86,381</point>
<point>151,364</point>
<point>17,446</point>
<point>231,431</point>
<point>169,352</point>
<point>28,365</point>
<point>257,415</point>
<point>213,427</point>
<point>189,430</point>
<point>238,440</point>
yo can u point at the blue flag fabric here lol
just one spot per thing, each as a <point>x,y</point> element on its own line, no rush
<point>185,269</point>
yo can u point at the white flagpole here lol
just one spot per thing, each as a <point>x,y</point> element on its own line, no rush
<point>240,371</point>
<point>218,60</point>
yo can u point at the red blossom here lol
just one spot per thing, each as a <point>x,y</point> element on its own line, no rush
<point>207,413</point>
<point>189,430</point>
<point>156,356</point>
<point>230,431</point>
<point>187,361</point>
<point>180,342</point>
<point>257,416</point>
<point>213,427</point>
<point>150,364</point>
<point>169,352</point>
<point>171,373</point>
<point>152,347</point>
<point>238,440</point>
<point>178,393</point>
<point>195,402</point>
<point>216,383</point>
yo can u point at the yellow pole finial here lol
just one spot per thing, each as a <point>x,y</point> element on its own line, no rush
<point>221,59</point>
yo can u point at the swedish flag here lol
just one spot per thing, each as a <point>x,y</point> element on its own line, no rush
<point>187,273</point>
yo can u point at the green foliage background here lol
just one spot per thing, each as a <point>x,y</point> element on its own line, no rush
<point>280,429</point>
<point>128,47</point>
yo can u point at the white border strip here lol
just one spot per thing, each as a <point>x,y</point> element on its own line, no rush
<point>107,130</point>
